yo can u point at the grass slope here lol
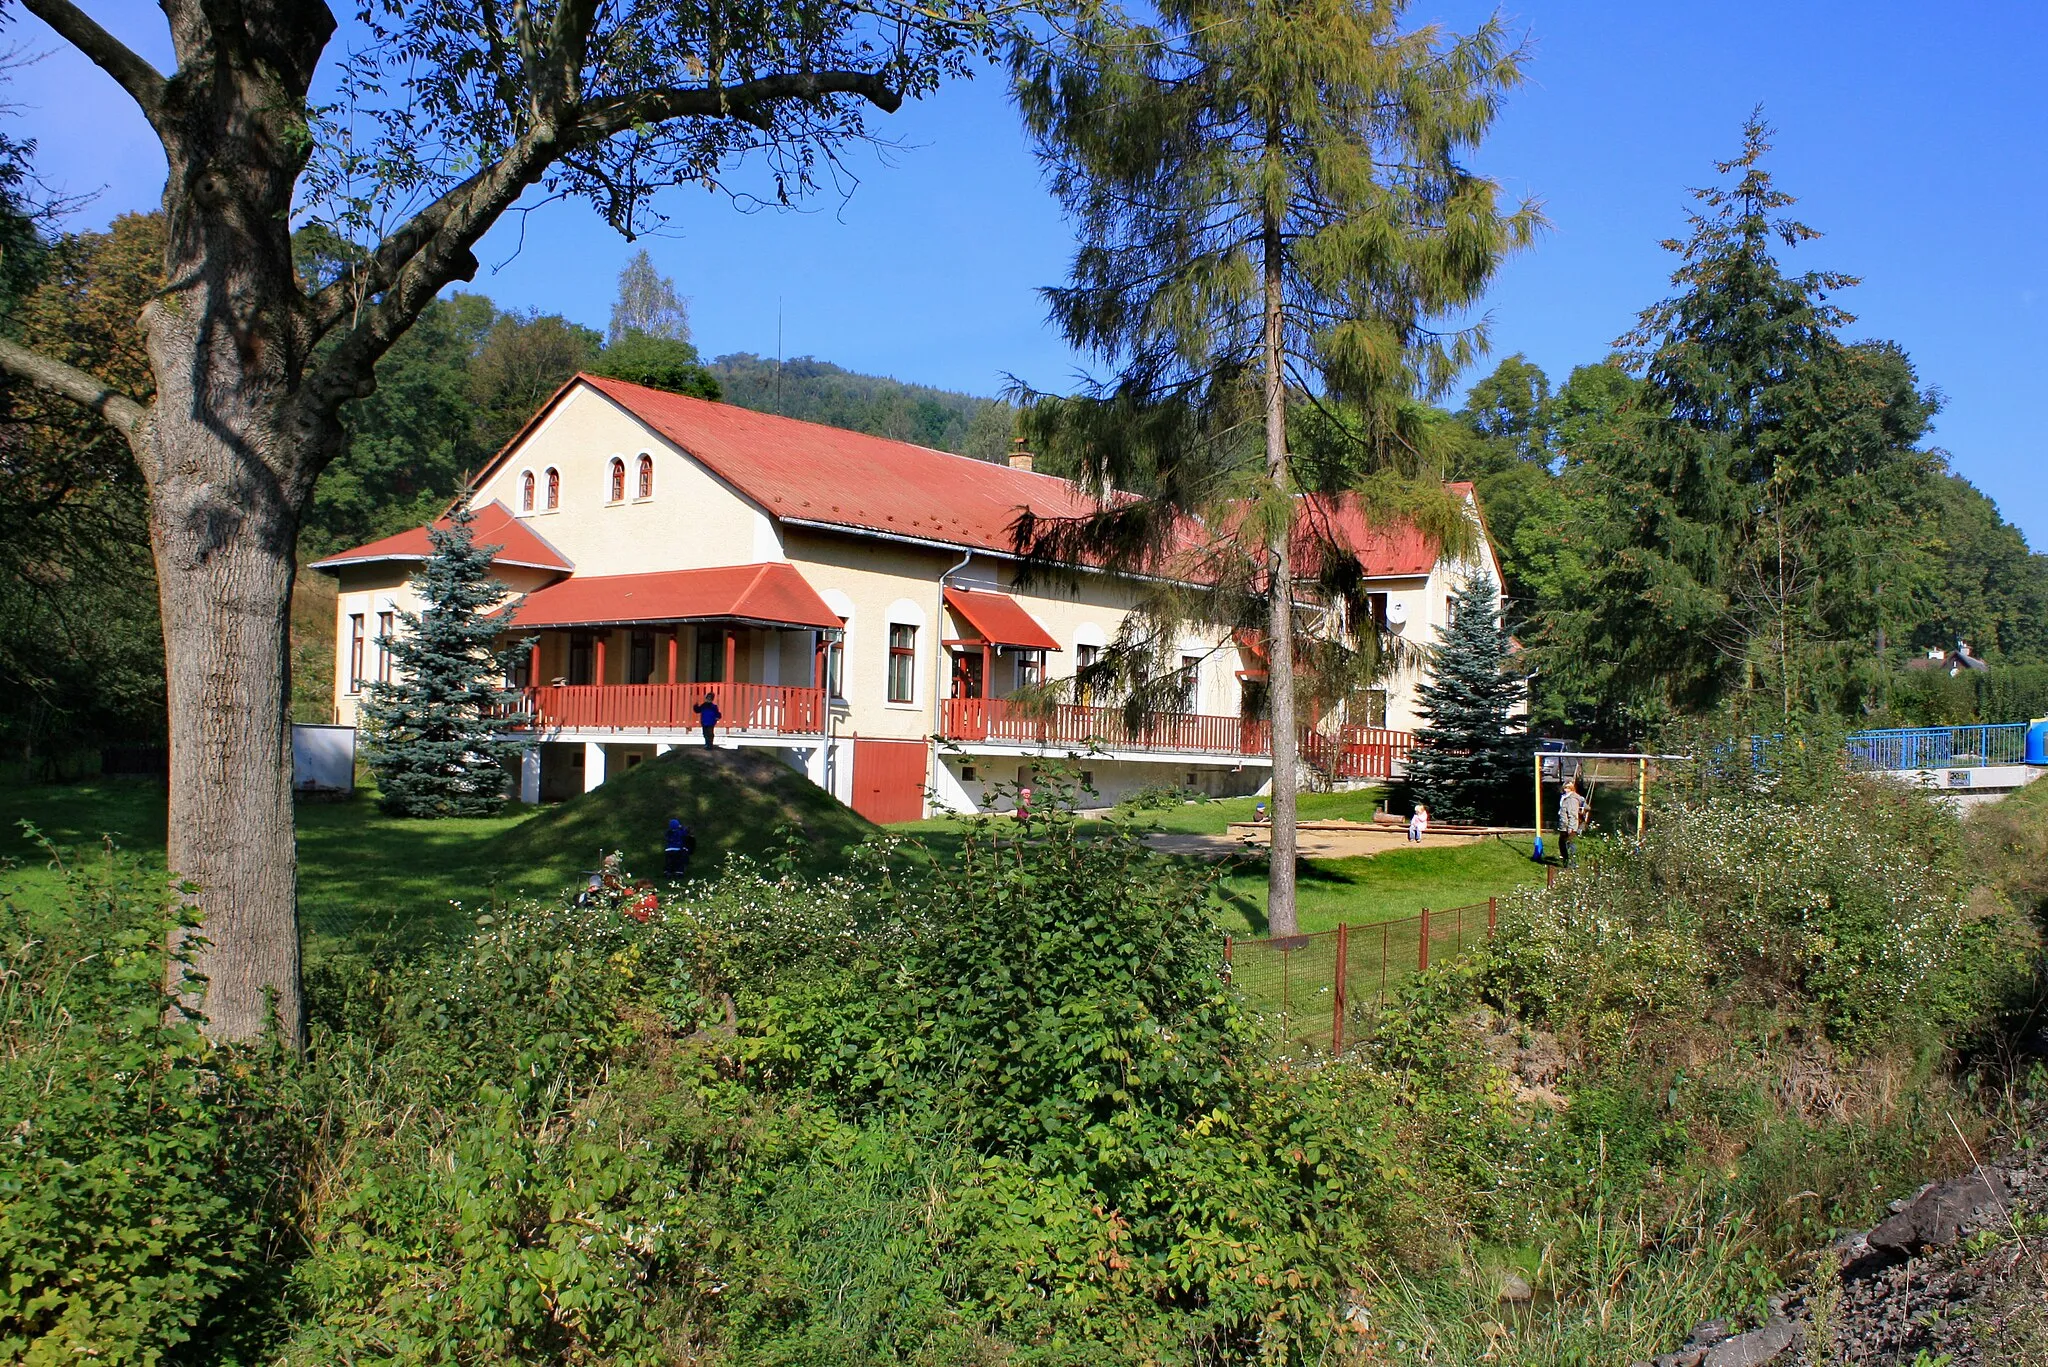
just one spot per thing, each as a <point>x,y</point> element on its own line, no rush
<point>362,873</point>
<point>733,800</point>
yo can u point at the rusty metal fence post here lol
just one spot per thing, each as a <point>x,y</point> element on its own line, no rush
<point>1422,945</point>
<point>1337,1003</point>
<point>1492,920</point>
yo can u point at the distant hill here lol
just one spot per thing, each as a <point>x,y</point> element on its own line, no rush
<point>818,391</point>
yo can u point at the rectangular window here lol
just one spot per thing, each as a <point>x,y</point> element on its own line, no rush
<point>640,660</point>
<point>1376,605</point>
<point>582,660</point>
<point>1030,668</point>
<point>355,652</point>
<point>1085,658</point>
<point>1376,707</point>
<point>710,655</point>
<point>387,628</point>
<point>902,663</point>
<point>1190,681</point>
<point>835,669</point>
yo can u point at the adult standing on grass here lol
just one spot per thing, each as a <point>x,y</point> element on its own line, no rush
<point>707,717</point>
<point>1573,814</point>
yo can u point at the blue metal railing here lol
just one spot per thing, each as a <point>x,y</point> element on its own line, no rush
<point>1939,747</point>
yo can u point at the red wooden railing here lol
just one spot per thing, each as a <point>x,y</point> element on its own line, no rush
<point>1359,752</point>
<point>761,708</point>
<point>1007,723</point>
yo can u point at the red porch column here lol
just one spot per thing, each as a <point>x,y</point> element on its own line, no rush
<point>533,668</point>
<point>672,638</point>
<point>597,662</point>
<point>732,651</point>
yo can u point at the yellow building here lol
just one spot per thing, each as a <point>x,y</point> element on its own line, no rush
<point>847,601</point>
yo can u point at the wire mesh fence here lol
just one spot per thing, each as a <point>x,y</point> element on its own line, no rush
<point>1320,990</point>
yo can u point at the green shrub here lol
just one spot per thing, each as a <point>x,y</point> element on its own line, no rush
<point>1850,914</point>
<point>142,1177</point>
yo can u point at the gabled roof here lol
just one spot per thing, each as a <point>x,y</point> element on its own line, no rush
<point>1400,551</point>
<point>494,526</point>
<point>773,592</point>
<point>810,474</point>
<point>1000,619</point>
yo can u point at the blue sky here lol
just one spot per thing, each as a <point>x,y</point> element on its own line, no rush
<point>1916,139</point>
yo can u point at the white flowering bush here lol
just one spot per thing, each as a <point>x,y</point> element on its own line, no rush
<point>1847,910</point>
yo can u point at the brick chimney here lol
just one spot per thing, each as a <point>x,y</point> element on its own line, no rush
<point>1020,459</point>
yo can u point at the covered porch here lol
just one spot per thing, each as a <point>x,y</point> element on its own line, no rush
<point>638,653</point>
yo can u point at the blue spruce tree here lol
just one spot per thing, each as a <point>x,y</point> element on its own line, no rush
<point>437,738</point>
<point>1471,760</point>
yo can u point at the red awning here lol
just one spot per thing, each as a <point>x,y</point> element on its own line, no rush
<point>773,594</point>
<point>1000,619</point>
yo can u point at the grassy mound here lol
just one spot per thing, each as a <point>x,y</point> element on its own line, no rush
<point>732,800</point>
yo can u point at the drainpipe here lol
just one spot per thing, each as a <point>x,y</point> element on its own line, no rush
<point>939,671</point>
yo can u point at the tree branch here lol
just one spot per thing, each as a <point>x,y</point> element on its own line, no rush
<point>143,82</point>
<point>746,101</point>
<point>122,413</point>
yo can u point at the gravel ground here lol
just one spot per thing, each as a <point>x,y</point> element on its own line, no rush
<point>1957,1276</point>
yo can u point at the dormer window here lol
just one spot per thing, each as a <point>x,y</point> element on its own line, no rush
<point>554,488</point>
<point>526,492</point>
<point>646,476</point>
<point>618,490</point>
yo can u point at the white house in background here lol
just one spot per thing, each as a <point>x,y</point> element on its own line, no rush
<point>845,599</point>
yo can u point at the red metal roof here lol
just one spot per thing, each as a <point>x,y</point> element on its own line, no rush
<point>806,472</point>
<point>494,526</point>
<point>1000,619</point>
<point>773,592</point>
<point>1384,552</point>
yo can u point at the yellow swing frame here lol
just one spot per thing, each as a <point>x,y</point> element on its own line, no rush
<point>1642,762</point>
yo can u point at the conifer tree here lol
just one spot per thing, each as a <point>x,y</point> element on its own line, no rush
<point>1275,215</point>
<point>1469,763</point>
<point>436,740</point>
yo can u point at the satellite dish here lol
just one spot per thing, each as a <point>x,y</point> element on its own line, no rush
<point>1397,613</point>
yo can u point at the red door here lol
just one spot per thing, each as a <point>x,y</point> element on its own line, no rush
<point>888,779</point>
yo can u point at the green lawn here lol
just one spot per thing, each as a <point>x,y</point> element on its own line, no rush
<point>1357,891</point>
<point>359,870</point>
<point>1384,887</point>
<point>364,873</point>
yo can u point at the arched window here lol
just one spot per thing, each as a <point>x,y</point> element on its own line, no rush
<point>646,476</point>
<point>618,480</point>
<point>526,492</point>
<point>554,487</point>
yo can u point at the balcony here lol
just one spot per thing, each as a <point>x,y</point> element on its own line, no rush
<point>1351,752</point>
<point>745,708</point>
<point>1071,726</point>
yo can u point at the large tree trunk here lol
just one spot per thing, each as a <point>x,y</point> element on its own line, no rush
<point>1280,914</point>
<point>230,448</point>
<point>225,573</point>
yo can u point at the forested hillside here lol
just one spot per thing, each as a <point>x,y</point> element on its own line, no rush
<point>818,391</point>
